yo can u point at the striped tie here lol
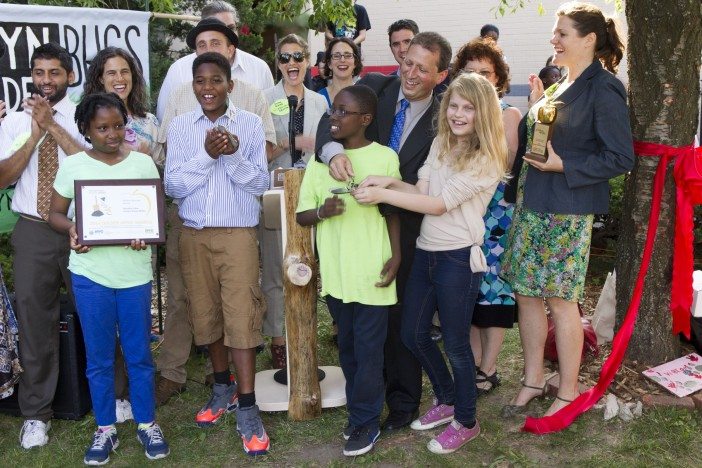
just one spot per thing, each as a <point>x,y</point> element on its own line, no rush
<point>397,126</point>
<point>48,166</point>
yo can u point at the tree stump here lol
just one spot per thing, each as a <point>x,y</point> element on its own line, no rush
<point>300,288</point>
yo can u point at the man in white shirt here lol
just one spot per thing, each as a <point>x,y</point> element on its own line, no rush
<point>31,148</point>
<point>245,67</point>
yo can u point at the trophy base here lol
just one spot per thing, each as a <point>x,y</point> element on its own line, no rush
<point>542,158</point>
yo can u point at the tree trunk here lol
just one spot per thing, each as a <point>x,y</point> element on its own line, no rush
<point>300,287</point>
<point>664,47</point>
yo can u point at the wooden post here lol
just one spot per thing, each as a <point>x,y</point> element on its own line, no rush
<point>300,287</point>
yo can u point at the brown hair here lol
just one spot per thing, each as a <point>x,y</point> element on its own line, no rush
<point>357,63</point>
<point>587,18</point>
<point>294,39</point>
<point>435,43</point>
<point>484,49</point>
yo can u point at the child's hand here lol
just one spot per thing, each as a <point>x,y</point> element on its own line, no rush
<point>73,239</point>
<point>216,143</point>
<point>368,195</point>
<point>389,272</point>
<point>376,181</point>
<point>333,206</point>
<point>137,245</point>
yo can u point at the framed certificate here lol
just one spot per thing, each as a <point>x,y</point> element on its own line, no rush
<point>115,212</point>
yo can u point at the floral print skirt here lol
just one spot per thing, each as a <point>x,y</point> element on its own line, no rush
<point>547,254</point>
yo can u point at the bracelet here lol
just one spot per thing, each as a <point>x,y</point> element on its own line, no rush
<point>319,218</point>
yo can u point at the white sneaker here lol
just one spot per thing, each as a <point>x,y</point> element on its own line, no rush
<point>34,433</point>
<point>124,411</point>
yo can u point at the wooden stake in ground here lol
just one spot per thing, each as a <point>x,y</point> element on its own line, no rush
<point>300,287</point>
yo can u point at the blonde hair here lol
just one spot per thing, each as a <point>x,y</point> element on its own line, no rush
<point>486,150</point>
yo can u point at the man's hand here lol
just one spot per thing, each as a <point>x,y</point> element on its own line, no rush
<point>389,272</point>
<point>304,143</point>
<point>43,113</point>
<point>217,143</point>
<point>340,168</point>
<point>2,110</point>
<point>333,206</point>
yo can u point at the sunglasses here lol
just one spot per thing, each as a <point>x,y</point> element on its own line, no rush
<point>285,57</point>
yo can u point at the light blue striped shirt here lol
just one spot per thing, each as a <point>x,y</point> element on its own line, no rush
<point>219,192</point>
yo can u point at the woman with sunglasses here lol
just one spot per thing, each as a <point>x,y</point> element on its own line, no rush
<point>343,65</point>
<point>292,56</point>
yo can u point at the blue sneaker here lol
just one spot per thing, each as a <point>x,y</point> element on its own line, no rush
<point>103,443</point>
<point>361,441</point>
<point>155,445</point>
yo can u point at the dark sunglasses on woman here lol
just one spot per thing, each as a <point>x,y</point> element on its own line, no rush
<point>285,57</point>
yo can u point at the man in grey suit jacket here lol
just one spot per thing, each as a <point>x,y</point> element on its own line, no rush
<point>425,65</point>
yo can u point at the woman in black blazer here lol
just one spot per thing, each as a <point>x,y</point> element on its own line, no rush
<point>548,249</point>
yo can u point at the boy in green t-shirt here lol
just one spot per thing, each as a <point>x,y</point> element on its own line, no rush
<point>359,254</point>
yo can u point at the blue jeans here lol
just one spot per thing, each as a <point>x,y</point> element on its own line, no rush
<point>361,338</point>
<point>445,281</point>
<point>103,312</point>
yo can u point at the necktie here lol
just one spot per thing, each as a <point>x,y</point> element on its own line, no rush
<point>397,126</point>
<point>48,165</point>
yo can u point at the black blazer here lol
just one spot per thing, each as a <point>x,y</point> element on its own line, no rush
<point>592,135</point>
<point>416,147</point>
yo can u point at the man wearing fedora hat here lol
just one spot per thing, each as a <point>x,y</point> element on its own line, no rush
<point>245,67</point>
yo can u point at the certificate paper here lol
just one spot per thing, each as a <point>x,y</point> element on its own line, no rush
<point>114,212</point>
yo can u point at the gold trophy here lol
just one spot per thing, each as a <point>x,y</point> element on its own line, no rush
<point>542,133</point>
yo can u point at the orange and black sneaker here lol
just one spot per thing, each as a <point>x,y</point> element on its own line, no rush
<point>224,399</point>
<point>250,428</point>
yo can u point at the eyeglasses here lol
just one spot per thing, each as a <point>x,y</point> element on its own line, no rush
<point>341,112</point>
<point>338,56</point>
<point>285,57</point>
<point>483,73</point>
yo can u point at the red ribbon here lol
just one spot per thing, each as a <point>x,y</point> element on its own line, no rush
<point>689,191</point>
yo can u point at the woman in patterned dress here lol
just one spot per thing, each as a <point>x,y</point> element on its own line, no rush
<point>496,307</point>
<point>549,243</point>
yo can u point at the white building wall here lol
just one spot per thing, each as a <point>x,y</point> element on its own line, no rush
<point>524,35</point>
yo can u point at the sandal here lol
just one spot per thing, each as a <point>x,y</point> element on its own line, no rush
<point>279,356</point>
<point>481,377</point>
<point>510,411</point>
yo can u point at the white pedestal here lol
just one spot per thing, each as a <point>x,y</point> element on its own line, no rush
<point>272,396</point>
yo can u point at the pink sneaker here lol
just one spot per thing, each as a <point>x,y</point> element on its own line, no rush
<point>436,416</point>
<point>454,437</point>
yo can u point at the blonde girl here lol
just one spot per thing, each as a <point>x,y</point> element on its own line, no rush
<point>467,160</point>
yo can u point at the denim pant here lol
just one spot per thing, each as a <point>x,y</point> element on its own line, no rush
<point>445,281</point>
<point>103,312</point>
<point>361,338</point>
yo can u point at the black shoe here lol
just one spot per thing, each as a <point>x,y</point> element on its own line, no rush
<point>260,348</point>
<point>361,441</point>
<point>398,419</point>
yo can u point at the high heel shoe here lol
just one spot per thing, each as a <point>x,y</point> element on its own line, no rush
<point>510,411</point>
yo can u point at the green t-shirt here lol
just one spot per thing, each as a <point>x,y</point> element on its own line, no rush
<point>354,246</point>
<point>111,266</point>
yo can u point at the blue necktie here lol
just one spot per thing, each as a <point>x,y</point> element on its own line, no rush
<point>397,126</point>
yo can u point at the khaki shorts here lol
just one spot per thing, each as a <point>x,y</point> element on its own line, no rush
<point>221,274</point>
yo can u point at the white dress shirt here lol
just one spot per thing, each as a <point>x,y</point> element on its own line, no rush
<point>246,67</point>
<point>14,131</point>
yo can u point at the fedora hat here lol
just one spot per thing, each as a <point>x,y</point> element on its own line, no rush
<point>211,24</point>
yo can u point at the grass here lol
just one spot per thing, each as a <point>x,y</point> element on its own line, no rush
<point>660,438</point>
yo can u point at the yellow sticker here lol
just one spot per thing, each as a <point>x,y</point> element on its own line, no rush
<point>280,107</point>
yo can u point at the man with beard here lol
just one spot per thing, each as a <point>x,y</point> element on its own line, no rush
<point>31,147</point>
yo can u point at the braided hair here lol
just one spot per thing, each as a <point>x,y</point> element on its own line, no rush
<point>89,105</point>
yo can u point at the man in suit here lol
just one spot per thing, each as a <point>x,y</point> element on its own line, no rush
<point>406,105</point>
